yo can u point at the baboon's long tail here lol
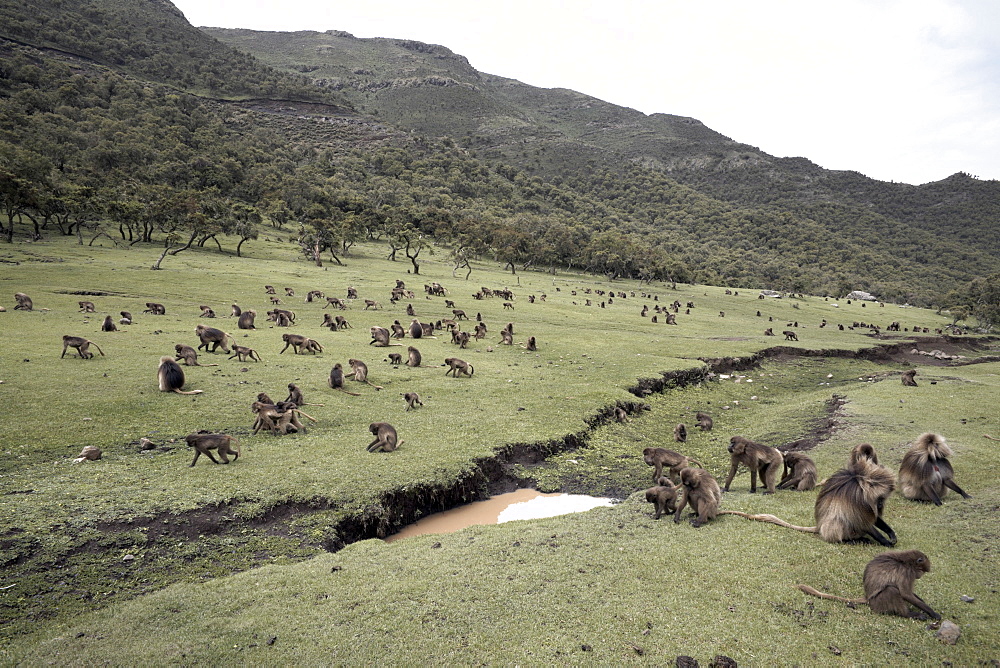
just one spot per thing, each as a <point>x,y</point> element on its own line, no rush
<point>812,592</point>
<point>769,518</point>
<point>698,464</point>
<point>191,392</point>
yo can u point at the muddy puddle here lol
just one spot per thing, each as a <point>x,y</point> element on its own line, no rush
<point>524,504</point>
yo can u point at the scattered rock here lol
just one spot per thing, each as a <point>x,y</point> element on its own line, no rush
<point>586,648</point>
<point>687,662</point>
<point>128,557</point>
<point>834,650</point>
<point>948,633</point>
<point>722,661</point>
<point>146,444</point>
<point>966,599</point>
<point>272,640</point>
<point>91,452</point>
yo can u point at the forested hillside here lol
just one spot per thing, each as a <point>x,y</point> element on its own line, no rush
<point>120,120</point>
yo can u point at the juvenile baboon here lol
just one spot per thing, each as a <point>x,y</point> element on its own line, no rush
<point>275,301</point>
<point>243,353</point>
<point>480,331</point>
<point>510,328</point>
<point>352,292</point>
<point>171,377</point>
<point>126,318</point>
<point>702,493</point>
<point>328,321</point>
<point>281,317</point>
<point>336,380</point>
<point>360,371</point>
<point>395,358</point>
<point>762,459</point>
<point>314,294</point>
<point>237,311</point>
<point>790,335</point>
<point>189,355</point>
<point>300,343</point>
<point>673,461</point>
<point>889,579</point>
<point>908,378</point>
<point>211,335</point>
<point>108,325</point>
<point>663,497</point>
<point>386,439</point>
<point>278,419</point>
<point>462,339</point>
<point>155,309</point>
<point>799,472</point>
<point>506,338</point>
<point>295,396</point>
<point>705,422</point>
<point>371,303</point>
<point>428,330</point>
<point>925,474</point>
<point>206,311</point>
<point>380,338</point>
<point>863,451</point>
<point>87,307</point>
<point>82,346</point>
<point>457,367</point>
<point>246,319</point>
<point>204,442</point>
<point>414,357</point>
<point>263,398</point>
<point>680,433</point>
<point>24,302</point>
<point>397,330</point>
<point>412,400</point>
<point>769,331</point>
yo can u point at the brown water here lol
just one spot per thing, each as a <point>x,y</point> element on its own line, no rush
<point>518,505</point>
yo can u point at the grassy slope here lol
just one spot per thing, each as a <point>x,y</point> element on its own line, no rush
<point>591,590</point>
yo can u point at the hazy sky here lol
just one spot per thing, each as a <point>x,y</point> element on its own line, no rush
<point>899,90</point>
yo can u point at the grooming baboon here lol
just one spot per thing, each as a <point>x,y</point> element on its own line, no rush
<point>908,378</point>
<point>428,330</point>
<point>386,439</point>
<point>769,331</point>
<point>263,398</point>
<point>108,325</point>
<point>863,451</point>
<point>206,311</point>
<point>702,493</point>
<point>888,581</point>
<point>457,367</point>
<point>397,330</point>
<point>412,400</point>
<point>673,461</point>
<point>480,331</point>
<point>352,292</point>
<point>925,474</point>
<point>155,309</point>
<point>506,338</point>
<point>189,355</point>
<point>799,472</point>
<point>24,302</point>
<point>278,419</point>
<point>82,346</point>
<point>336,380</point>
<point>380,338</point>
<point>314,294</point>
<point>680,433</point>
<point>413,357</point>
<point>762,459</point>
<point>171,377</point>
<point>360,371</point>
<point>237,312</point>
<point>243,353</point>
<point>246,319</point>
<point>295,396</point>
<point>211,335</point>
<point>300,343</point>
<point>204,442</point>
<point>663,497</point>
<point>87,307</point>
<point>705,422</point>
<point>462,339</point>
<point>126,318</point>
<point>790,335</point>
<point>395,358</point>
<point>281,317</point>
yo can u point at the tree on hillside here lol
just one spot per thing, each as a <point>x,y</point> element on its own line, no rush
<point>985,296</point>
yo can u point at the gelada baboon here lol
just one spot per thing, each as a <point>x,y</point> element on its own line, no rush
<point>790,335</point>
<point>414,357</point>
<point>531,345</point>
<point>506,338</point>
<point>380,338</point>
<point>412,400</point>
<point>457,367</point>
<point>87,307</point>
<point>673,461</point>
<point>154,308</point>
<point>360,371</point>
<point>663,497</point>
<point>908,378</point>
<point>705,422</point>
<point>889,580</point>
<point>385,437</point>
<point>206,311</point>
<point>171,377</point>
<point>211,335</point>
<point>702,493</point>
<point>300,343</point>
<point>278,418</point>
<point>295,396</point>
<point>769,331</point>
<point>246,319</point>
<point>680,434</point>
<point>237,311</point>
<point>204,442</point>
<point>621,415</point>
<point>416,331</point>
<point>760,459</point>
<point>799,472</point>
<point>863,451</point>
<point>189,355</point>
<point>336,380</point>
<point>126,318</point>
<point>925,473</point>
<point>395,358</point>
<point>24,302</point>
<point>82,346</point>
<point>243,353</point>
<point>108,325</point>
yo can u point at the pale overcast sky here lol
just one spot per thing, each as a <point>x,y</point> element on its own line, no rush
<point>899,90</point>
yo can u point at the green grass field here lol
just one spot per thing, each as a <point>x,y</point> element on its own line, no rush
<point>607,586</point>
